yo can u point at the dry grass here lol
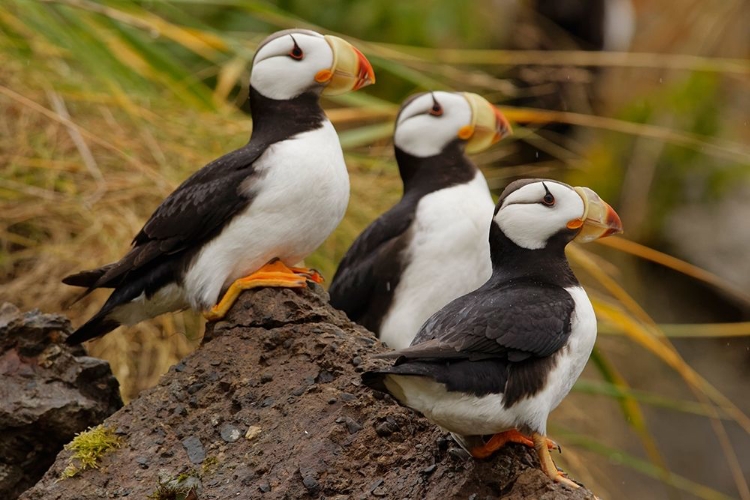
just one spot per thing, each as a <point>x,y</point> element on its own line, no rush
<point>76,217</point>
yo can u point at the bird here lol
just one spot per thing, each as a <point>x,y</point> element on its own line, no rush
<point>246,218</point>
<point>498,360</point>
<point>431,247</point>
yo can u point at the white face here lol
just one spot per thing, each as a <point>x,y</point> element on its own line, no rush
<point>431,121</point>
<point>283,70</point>
<point>530,215</point>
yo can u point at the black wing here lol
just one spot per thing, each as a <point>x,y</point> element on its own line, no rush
<point>493,340</point>
<point>194,212</point>
<point>513,321</point>
<point>367,276</point>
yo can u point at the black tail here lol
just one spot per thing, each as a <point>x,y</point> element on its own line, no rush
<point>375,380</point>
<point>88,279</point>
<point>95,327</point>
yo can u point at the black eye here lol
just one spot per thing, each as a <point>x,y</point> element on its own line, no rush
<point>296,52</point>
<point>437,109</point>
<point>548,199</point>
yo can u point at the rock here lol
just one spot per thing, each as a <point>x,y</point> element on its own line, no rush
<point>230,433</point>
<point>194,448</point>
<point>352,426</point>
<point>49,392</point>
<point>385,429</point>
<point>278,344</point>
<point>252,432</point>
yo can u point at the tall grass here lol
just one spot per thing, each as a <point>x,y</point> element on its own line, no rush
<point>109,105</point>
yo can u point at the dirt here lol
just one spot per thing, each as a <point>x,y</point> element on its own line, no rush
<point>271,406</point>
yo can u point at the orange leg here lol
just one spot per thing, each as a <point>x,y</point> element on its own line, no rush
<point>501,439</point>
<point>310,274</point>
<point>274,274</point>
<point>541,445</point>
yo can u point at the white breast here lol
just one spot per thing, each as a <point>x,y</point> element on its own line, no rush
<point>469,415</point>
<point>448,256</point>
<point>299,200</point>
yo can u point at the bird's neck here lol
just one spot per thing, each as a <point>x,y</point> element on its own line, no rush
<point>511,262</point>
<point>275,120</point>
<point>448,168</point>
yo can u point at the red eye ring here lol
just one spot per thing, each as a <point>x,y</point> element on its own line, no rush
<point>436,110</point>
<point>296,52</point>
<point>548,199</point>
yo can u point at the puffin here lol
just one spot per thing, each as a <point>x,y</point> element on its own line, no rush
<point>498,360</point>
<point>431,247</point>
<point>247,218</point>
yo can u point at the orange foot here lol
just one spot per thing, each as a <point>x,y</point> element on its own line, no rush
<point>541,445</point>
<point>310,274</point>
<point>501,439</point>
<point>274,274</point>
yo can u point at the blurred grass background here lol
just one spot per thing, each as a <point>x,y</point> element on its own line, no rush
<point>107,106</point>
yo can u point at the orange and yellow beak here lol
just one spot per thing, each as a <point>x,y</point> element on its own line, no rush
<point>599,220</point>
<point>350,70</point>
<point>488,125</point>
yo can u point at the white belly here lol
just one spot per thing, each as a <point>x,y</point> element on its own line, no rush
<point>470,415</point>
<point>299,200</point>
<point>449,256</point>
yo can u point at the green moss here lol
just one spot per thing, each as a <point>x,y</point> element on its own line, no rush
<point>183,487</point>
<point>88,448</point>
<point>209,465</point>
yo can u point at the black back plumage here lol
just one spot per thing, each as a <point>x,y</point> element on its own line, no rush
<point>369,273</point>
<point>195,213</point>
<point>503,337</point>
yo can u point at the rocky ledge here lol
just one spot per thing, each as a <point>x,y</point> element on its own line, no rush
<point>49,392</point>
<point>271,406</point>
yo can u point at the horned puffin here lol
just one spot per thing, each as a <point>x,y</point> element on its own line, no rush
<point>242,220</point>
<point>498,360</point>
<point>431,247</point>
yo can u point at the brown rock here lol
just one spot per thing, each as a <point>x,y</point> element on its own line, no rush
<point>49,392</point>
<point>280,365</point>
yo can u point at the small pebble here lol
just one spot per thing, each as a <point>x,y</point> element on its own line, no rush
<point>356,361</point>
<point>346,396</point>
<point>311,484</point>
<point>385,429</point>
<point>230,433</point>
<point>429,470</point>
<point>194,448</point>
<point>352,426</point>
<point>267,402</point>
<point>142,462</point>
<point>265,378</point>
<point>377,483</point>
<point>195,387</point>
<point>264,487</point>
<point>252,432</point>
